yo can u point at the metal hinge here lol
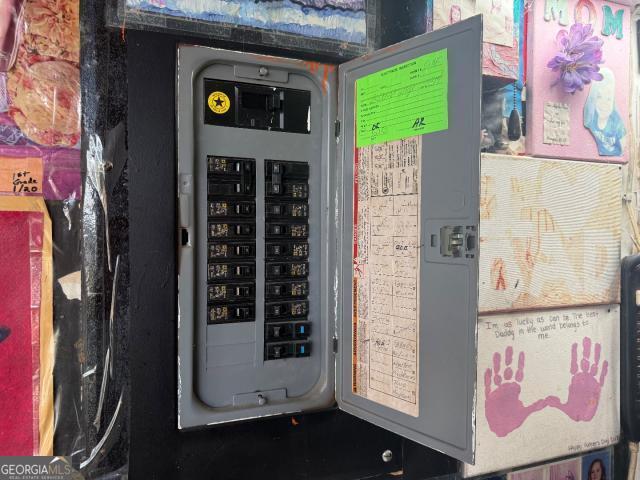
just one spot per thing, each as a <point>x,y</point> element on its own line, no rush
<point>337,128</point>
<point>457,241</point>
<point>335,344</point>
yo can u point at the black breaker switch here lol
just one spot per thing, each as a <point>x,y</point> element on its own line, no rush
<point>291,230</point>
<point>294,210</point>
<point>279,350</point>
<point>279,331</point>
<point>287,249</point>
<point>286,309</point>
<point>220,250</point>
<point>287,289</point>
<point>225,292</point>
<point>230,313</point>
<point>227,271</point>
<point>228,208</point>
<point>287,270</point>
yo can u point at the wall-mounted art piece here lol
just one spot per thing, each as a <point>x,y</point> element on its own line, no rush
<point>40,93</point>
<point>342,28</point>
<point>550,233</point>
<point>548,386</point>
<point>578,80</point>
<point>26,327</point>
<point>565,469</point>
<point>503,25</point>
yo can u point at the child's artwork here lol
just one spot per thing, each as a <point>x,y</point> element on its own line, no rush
<point>20,252</point>
<point>40,91</point>
<point>549,233</point>
<point>537,473</point>
<point>597,466</point>
<point>500,49</point>
<point>448,12</point>
<point>547,386</point>
<point>565,470</point>
<point>26,395</point>
<point>497,21</point>
<point>581,62</point>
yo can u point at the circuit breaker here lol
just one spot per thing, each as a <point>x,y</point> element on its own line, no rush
<point>268,182</point>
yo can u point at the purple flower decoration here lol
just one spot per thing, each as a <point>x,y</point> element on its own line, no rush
<point>578,59</point>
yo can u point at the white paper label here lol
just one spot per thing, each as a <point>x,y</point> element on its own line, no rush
<point>386,273</point>
<point>556,123</point>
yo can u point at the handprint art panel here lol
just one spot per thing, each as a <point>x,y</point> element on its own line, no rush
<point>552,238</point>
<point>547,385</point>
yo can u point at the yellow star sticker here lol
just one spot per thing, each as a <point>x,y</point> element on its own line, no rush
<point>219,102</point>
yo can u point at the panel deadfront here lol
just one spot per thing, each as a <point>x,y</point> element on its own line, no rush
<point>409,155</point>
<point>253,155</point>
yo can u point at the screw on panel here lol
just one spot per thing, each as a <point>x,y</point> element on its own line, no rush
<point>263,71</point>
<point>387,455</point>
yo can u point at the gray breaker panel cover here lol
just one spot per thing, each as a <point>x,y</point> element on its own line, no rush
<point>448,286</point>
<point>221,367</point>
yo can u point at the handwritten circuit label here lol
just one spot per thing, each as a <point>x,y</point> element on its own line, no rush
<point>408,99</point>
<point>20,175</point>
<point>386,274</point>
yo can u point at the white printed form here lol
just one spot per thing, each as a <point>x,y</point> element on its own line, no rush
<point>386,273</point>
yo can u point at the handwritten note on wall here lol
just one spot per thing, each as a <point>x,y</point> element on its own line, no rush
<point>556,123</point>
<point>20,175</point>
<point>386,274</point>
<point>545,374</point>
<point>408,99</point>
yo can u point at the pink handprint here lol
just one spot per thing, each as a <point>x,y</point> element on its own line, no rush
<point>584,390</point>
<point>503,408</point>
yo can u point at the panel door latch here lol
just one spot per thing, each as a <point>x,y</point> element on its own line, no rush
<point>457,241</point>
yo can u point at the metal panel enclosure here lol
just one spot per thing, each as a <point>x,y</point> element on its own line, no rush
<point>223,371</point>
<point>448,291</point>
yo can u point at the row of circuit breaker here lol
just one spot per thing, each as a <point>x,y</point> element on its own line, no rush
<point>231,245</point>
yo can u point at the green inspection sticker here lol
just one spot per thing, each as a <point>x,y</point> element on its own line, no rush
<point>408,99</point>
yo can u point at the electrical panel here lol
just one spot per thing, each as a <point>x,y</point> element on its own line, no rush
<point>253,179</point>
<point>266,186</point>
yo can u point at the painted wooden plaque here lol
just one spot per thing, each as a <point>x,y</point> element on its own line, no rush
<point>547,385</point>
<point>549,233</point>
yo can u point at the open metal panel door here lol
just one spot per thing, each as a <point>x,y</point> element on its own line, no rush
<point>409,159</point>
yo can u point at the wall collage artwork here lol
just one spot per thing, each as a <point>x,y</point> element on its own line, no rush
<point>556,140</point>
<point>39,170</point>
